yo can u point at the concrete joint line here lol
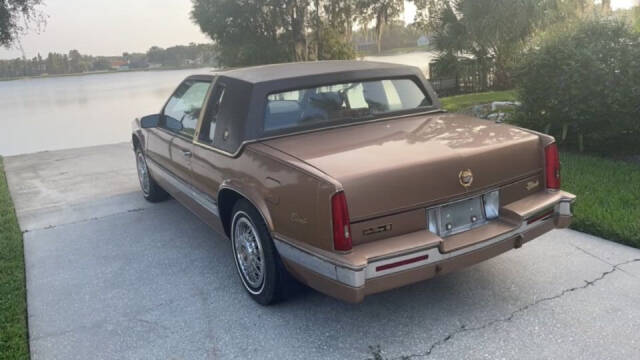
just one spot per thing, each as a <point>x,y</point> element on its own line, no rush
<point>463,328</point>
<point>590,254</point>
<point>600,259</point>
<point>48,227</point>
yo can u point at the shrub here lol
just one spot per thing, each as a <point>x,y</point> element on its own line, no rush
<point>581,83</point>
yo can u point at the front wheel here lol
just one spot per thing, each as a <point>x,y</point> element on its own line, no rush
<point>259,266</point>
<point>150,189</point>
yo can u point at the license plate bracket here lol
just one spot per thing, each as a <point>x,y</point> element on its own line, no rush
<point>458,216</point>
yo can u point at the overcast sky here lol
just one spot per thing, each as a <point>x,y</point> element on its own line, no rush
<point>112,27</point>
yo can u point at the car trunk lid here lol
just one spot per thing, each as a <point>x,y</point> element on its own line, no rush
<point>395,165</point>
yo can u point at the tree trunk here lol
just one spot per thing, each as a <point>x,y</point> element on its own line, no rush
<point>349,21</point>
<point>317,30</point>
<point>503,78</point>
<point>379,31</point>
<point>298,16</point>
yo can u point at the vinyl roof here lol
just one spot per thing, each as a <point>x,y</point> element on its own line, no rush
<point>263,73</point>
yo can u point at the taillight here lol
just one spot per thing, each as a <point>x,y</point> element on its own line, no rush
<point>341,227</point>
<point>552,166</point>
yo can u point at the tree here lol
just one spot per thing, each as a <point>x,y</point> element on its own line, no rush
<point>251,32</point>
<point>295,23</point>
<point>15,17</point>
<point>340,16</point>
<point>492,31</point>
<point>246,31</point>
<point>580,83</point>
<point>155,55</point>
<point>76,63</point>
<point>429,12</point>
<point>333,45</point>
<point>381,12</point>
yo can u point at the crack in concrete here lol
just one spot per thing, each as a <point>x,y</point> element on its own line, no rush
<point>463,328</point>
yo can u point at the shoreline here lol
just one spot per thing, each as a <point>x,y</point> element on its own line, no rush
<point>104,72</point>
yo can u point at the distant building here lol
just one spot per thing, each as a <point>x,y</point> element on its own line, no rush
<point>118,64</point>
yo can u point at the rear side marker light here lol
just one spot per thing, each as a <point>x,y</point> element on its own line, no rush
<point>341,222</point>
<point>402,262</point>
<point>552,166</point>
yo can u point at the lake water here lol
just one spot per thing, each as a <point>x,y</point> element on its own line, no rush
<point>75,111</point>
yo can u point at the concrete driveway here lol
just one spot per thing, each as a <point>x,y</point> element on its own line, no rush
<point>110,276</point>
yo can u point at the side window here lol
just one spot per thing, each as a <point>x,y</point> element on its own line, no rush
<point>208,129</point>
<point>183,109</point>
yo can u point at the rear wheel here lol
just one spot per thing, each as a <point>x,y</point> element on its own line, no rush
<point>262,273</point>
<point>150,189</point>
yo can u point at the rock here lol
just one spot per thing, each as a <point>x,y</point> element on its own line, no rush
<point>497,117</point>
<point>497,105</point>
<point>481,111</point>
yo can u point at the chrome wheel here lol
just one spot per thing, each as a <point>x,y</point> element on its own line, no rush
<point>248,253</point>
<point>143,172</point>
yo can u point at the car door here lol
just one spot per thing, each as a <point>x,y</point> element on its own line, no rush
<point>179,119</point>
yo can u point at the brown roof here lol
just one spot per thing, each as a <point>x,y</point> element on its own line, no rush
<point>271,72</point>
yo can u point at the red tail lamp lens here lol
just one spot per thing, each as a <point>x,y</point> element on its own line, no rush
<point>552,166</point>
<point>341,227</point>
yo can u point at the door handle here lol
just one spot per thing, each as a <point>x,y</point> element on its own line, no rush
<point>187,153</point>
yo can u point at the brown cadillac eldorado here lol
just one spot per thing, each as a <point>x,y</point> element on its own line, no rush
<point>346,175</point>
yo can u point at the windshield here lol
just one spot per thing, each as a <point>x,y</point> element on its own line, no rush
<point>353,101</point>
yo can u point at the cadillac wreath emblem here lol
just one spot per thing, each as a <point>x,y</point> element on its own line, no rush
<point>466,177</point>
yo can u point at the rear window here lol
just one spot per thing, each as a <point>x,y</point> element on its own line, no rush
<point>344,102</point>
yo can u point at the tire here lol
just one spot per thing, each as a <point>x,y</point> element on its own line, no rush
<point>150,189</point>
<point>259,266</point>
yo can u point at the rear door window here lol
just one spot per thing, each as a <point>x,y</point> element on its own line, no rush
<point>208,129</point>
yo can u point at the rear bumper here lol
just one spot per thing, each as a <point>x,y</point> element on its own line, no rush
<point>406,259</point>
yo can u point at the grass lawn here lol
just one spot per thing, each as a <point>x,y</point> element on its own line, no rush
<point>608,191</point>
<point>13,305</point>
<point>459,102</point>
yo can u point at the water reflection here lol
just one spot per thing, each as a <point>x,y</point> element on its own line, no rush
<point>75,111</point>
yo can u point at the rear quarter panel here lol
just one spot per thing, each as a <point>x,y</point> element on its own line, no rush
<point>294,203</point>
<point>298,201</point>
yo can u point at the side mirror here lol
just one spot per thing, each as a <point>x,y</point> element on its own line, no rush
<point>150,121</point>
<point>172,124</point>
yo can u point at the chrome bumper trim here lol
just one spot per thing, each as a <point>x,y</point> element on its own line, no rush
<point>351,277</point>
<point>563,207</point>
<point>358,277</point>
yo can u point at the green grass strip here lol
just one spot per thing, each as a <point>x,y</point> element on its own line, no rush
<point>13,304</point>
<point>459,102</point>
<point>608,191</point>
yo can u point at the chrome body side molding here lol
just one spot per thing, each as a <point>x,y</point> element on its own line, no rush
<point>196,195</point>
